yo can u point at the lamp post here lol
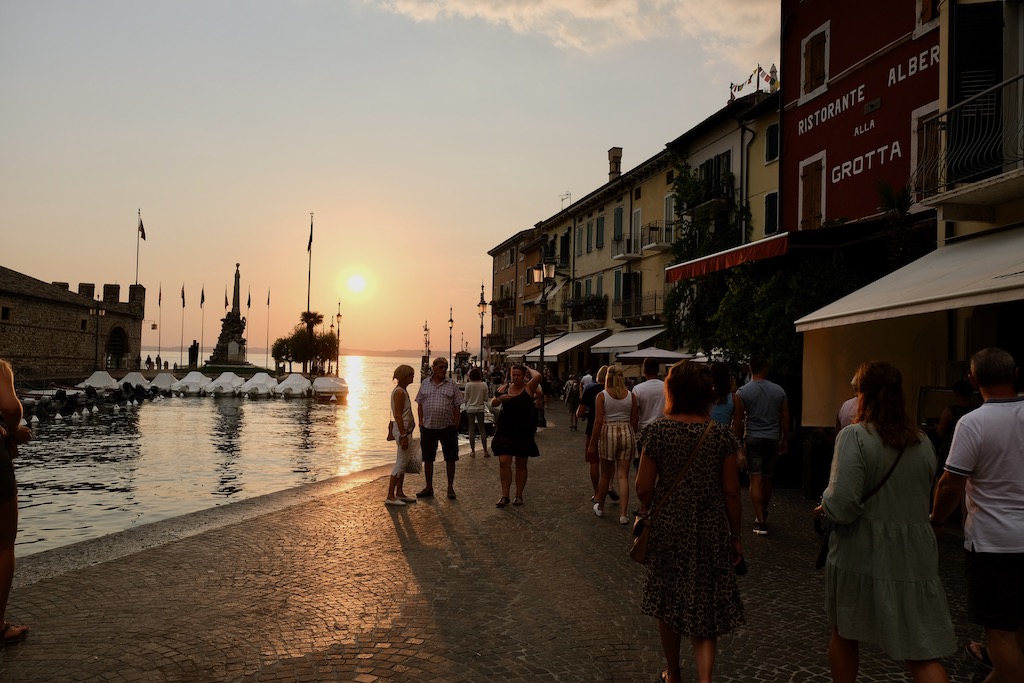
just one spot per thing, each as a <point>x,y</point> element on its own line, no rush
<point>543,272</point>
<point>451,324</point>
<point>337,350</point>
<point>98,312</point>
<point>483,311</point>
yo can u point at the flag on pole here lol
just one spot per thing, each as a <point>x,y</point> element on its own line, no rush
<point>160,296</point>
<point>268,296</point>
<point>202,297</point>
<point>183,296</point>
<point>142,230</point>
<point>248,303</point>
<point>309,247</point>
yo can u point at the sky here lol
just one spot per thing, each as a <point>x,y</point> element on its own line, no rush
<point>420,134</point>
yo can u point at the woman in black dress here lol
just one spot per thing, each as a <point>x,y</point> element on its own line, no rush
<point>514,435</point>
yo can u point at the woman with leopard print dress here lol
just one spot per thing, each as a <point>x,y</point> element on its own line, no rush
<point>694,543</point>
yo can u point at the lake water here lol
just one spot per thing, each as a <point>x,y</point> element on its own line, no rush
<point>107,472</point>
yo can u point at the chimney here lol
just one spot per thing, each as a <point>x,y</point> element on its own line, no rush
<point>614,163</point>
<point>87,289</point>
<point>111,294</point>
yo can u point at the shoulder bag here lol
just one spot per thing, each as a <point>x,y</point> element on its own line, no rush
<point>642,525</point>
<point>826,529</point>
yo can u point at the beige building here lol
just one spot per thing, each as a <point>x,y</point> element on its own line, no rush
<point>46,330</point>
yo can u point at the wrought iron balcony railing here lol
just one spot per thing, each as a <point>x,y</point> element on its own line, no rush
<point>979,138</point>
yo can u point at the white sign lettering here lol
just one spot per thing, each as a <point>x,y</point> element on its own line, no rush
<point>841,104</point>
<point>866,161</point>
<point>915,64</point>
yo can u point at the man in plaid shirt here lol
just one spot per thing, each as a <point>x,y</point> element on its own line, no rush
<point>439,402</point>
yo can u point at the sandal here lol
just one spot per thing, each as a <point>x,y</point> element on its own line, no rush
<point>518,500</point>
<point>12,633</point>
<point>502,502</point>
<point>979,653</point>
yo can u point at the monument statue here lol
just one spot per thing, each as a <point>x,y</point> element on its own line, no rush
<point>230,347</point>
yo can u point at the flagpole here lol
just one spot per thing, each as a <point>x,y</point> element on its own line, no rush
<point>248,309</point>
<point>267,361</point>
<point>138,236</point>
<point>160,320</point>
<point>202,326</point>
<point>309,273</point>
<point>181,344</point>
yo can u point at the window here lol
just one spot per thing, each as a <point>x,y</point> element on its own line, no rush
<point>636,194</point>
<point>83,325</point>
<point>579,240</point>
<point>634,230</point>
<point>771,143</point>
<point>617,225</point>
<point>5,313</point>
<point>590,236</point>
<point>600,284</point>
<point>811,188</point>
<point>670,177</point>
<point>577,289</point>
<point>928,10</point>
<point>522,287</point>
<point>587,287</point>
<point>771,213</point>
<point>814,62</point>
<point>618,284</point>
<point>599,238</point>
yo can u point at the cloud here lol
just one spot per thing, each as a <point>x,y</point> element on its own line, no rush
<point>729,31</point>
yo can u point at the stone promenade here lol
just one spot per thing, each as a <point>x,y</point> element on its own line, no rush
<point>331,585</point>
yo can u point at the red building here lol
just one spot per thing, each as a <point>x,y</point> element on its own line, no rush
<point>856,79</point>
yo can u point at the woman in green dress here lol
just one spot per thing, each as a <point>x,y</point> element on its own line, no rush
<point>882,577</point>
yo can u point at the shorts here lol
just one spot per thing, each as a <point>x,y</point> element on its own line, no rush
<point>618,441</point>
<point>762,454</point>
<point>448,437</point>
<point>8,486</point>
<point>995,593</point>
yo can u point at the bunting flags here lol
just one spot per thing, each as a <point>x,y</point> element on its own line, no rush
<point>202,297</point>
<point>183,296</point>
<point>755,79</point>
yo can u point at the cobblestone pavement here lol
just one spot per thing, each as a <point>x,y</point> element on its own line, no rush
<point>342,588</point>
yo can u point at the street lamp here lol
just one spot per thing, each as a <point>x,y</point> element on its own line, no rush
<point>451,324</point>
<point>337,350</point>
<point>543,272</point>
<point>483,311</point>
<point>98,312</point>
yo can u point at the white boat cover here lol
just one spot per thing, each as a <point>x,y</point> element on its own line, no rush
<point>260,384</point>
<point>293,385</point>
<point>192,383</point>
<point>135,379</point>
<point>100,379</point>
<point>226,383</point>
<point>163,381</point>
<point>330,385</point>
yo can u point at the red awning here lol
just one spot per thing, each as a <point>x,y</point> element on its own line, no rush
<point>769,247</point>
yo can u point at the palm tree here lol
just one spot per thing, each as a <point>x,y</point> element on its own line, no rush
<point>310,319</point>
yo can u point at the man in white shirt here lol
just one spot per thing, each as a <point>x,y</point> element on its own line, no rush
<point>986,462</point>
<point>650,394</point>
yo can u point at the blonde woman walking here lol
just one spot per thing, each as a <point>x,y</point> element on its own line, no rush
<point>401,409</point>
<point>614,439</point>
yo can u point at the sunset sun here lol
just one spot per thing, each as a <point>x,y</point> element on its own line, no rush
<point>356,283</point>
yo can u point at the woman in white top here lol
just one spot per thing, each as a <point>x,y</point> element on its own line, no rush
<point>401,429</point>
<point>476,394</point>
<point>616,418</point>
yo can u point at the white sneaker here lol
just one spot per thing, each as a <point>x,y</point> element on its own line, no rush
<point>623,520</point>
<point>597,510</point>
<point>394,501</point>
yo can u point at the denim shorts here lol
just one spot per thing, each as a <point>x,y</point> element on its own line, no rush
<point>762,454</point>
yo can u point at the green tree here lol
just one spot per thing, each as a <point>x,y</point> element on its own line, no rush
<point>281,351</point>
<point>310,319</point>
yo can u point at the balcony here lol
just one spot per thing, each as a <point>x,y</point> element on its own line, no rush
<point>639,310</point>
<point>626,248</point>
<point>971,156</point>
<point>658,235</point>
<point>496,341</point>
<point>503,306</point>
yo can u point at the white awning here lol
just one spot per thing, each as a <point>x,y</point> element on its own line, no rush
<point>986,269</point>
<point>552,290</point>
<point>627,340</point>
<point>566,343</point>
<point>523,348</point>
